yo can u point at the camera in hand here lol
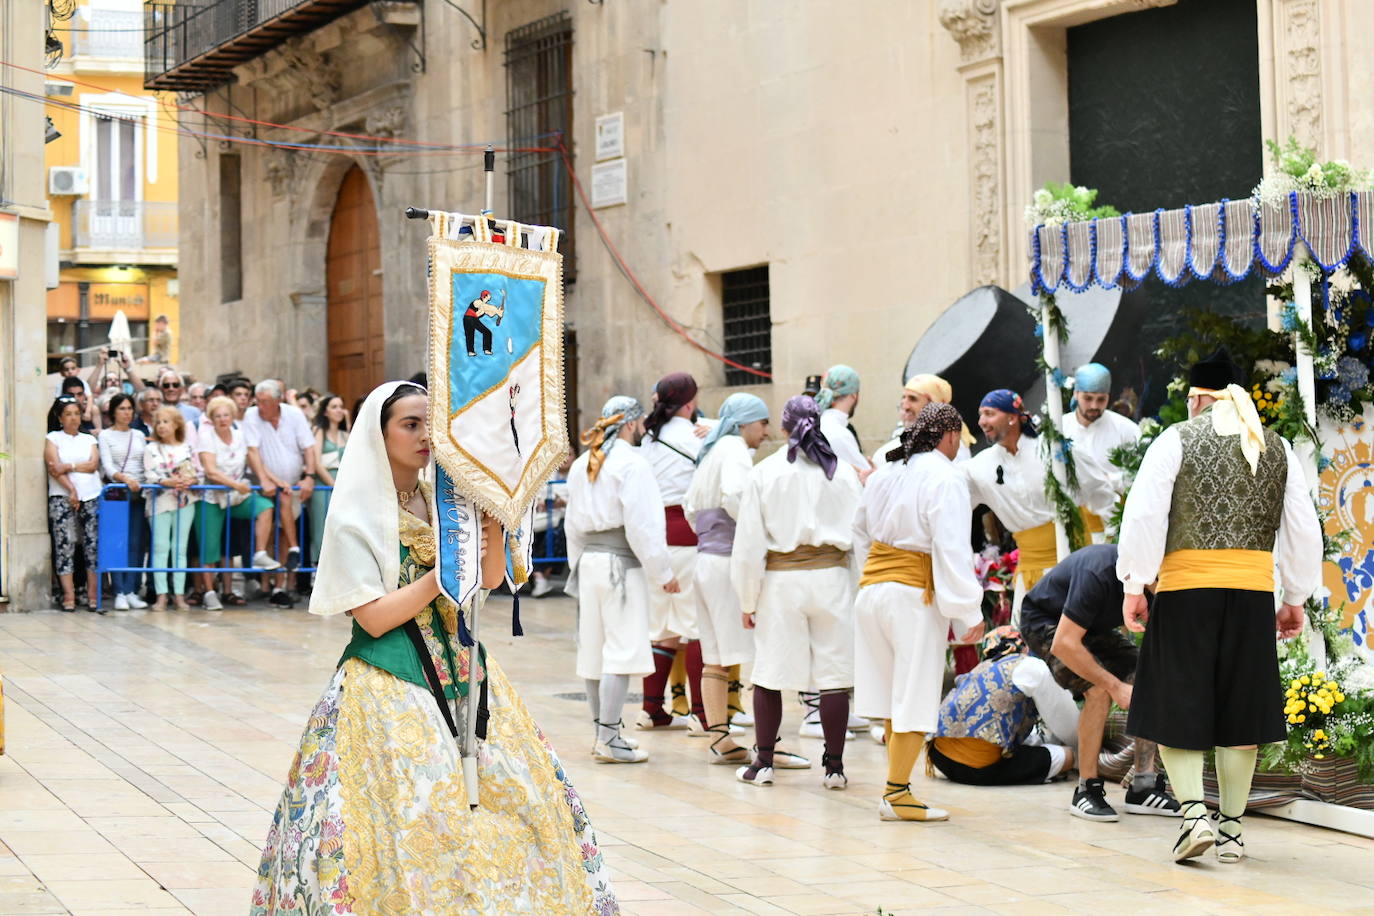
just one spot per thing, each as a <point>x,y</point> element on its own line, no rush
<point>112,353</point>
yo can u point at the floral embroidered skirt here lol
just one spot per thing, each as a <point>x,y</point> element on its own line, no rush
<point>375,816</point>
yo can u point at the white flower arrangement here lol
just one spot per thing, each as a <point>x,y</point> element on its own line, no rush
<point>1296,169</point>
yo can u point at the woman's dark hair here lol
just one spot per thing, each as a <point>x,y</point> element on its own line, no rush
<point>402,391</point>
<point>118,400</point>
<point>322,422</point>
<point>55,411</point>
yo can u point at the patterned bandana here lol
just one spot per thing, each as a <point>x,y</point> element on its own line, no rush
<point>602,437</point>
<point>671,393</point>
<point>839,381</point>
<point>930,427</point>
<point>1008,401</point>
<point>1002,642</point>
<point>739,408</point>
<point>801,420</point>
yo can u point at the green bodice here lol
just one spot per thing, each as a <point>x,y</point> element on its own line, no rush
<point>1218,504</point>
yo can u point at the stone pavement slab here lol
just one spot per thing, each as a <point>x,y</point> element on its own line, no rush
<point>146,751</point>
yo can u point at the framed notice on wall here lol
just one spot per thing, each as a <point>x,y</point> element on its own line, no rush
<point>610,136</point>
<point>609,185</point>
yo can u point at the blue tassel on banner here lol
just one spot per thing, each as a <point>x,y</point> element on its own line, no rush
<point>464,634</point>
<point>515,628</point>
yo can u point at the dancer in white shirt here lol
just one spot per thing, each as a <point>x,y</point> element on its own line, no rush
<point>1096,431</point>
<point>919,391</point>
<point>912,534</point>
<point>712,506</point>
<point>618,555</point>
<point>838,400</point>
<point>791,569</point>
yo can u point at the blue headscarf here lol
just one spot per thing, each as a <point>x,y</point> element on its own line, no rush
<point>1008,401</point>
<point>739,408</point>
<point>1093,378</point>
<point>838,381</point>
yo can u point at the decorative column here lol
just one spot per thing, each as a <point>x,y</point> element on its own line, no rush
<point>975,25</point>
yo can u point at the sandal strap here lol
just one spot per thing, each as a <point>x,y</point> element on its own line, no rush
<point>723,731</point>
<point>1222,836</point>
<point>1189,821</point>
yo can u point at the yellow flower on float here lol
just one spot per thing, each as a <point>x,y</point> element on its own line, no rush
<point>1302,718</point>
<point>1304,680</point>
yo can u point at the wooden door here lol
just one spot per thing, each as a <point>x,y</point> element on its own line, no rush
<point>353,268</point>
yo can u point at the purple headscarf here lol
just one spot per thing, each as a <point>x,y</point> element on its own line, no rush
<point>672,393</point>
<point>801,419</point>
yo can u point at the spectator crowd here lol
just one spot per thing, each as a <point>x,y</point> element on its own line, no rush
<point>230,480</point>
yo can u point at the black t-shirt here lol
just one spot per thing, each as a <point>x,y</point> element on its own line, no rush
<point>1084,588</point>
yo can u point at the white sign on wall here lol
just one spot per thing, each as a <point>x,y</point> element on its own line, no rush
<point>609,184</point>
<point>9,246</point>
<point>610,136</point>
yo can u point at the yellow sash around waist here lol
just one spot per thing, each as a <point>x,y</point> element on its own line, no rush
<point>1092,522</point>
<point>905,567</point>
<point>971,752</point>
<point>1039,551</point>
<point>807,556</point>
<point>1247,570</point>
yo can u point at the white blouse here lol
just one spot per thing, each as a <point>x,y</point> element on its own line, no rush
<point>75,450</point>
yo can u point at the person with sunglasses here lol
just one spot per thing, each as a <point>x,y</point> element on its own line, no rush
<point>173,387</point>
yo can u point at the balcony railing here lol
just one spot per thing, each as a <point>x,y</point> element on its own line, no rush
<point>194,45</point>
<point>124,225</point>
<point>110,34</point>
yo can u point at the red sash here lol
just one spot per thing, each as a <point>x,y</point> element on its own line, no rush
<point>680,534</point>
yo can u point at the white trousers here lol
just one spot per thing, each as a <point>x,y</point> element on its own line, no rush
<point>1057,709</point>
<point>804,630</point>
<point>899,656</point>
<point>724,640</point>
<point>612,618</point>
<point>676,615</point>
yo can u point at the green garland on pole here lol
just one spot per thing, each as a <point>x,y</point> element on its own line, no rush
<point>1055,446</point>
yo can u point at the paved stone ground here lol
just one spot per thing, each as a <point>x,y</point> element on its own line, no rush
<point>146,750</point>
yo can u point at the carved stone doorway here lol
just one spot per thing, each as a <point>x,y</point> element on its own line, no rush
<point>353,275</point>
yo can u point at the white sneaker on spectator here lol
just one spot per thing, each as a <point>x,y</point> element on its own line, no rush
<point>121,602</point>
<point>211,602</point>
<point>135,602</point>
<point>263,560</point>
<point>858,723</point>
<point>811,728</point>
<point>542,586</point>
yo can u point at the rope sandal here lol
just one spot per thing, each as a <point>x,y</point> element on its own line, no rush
<point>735,755</point>
<point>1229,856</point>
<point>619,743</point>
<point>899,804</point>
<point>1192,841</point>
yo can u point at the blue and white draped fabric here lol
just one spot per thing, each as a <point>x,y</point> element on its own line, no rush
<point>496,407</point>
<point>737,410</point>
<point>986,704</point>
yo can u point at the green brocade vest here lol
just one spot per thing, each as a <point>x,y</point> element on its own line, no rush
<point>395,653</point>
<point>1218,504</point>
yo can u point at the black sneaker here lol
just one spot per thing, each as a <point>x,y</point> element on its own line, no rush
<point>281,598</point>
<point>1153,800</point>
<point>1090,802</point>
<point>293,559</point>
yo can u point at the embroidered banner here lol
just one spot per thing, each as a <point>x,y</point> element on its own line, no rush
<point>496,407</point>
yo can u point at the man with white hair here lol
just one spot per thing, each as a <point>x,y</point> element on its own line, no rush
<point>1096,431</point>
<point>618,553</point>
<point>281,452</point>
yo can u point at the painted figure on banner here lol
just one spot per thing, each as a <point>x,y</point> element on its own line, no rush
<point>1345,494</point>
<point>481,307</point>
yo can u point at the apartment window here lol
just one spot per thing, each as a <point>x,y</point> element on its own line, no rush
<point>230,228</point>
<point>539,113</point>
<point>117,175</point>
<point>748,326</point>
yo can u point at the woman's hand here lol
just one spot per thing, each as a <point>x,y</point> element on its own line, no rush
<point>242,486</point>
<point>73,499</point>
<point>493,553</point>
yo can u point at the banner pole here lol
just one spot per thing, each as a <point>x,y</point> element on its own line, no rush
<point>489,167</point>
<point>470,728</point>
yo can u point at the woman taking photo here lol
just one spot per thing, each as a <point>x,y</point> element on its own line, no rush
<point>224,459</point>
<point>121,460</point>
<point>331,435</point>
<point>169,463</point>
<point>72,459</point>
<point>375,815</point>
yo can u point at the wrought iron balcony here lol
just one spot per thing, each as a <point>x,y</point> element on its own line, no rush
<point>194,45</point>
<point>124,225</point>
<point>109,34</point>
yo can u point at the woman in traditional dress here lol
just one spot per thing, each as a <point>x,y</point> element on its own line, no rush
<point>375,816</point>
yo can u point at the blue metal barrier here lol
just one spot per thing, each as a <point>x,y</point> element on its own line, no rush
<point>113,526</point>
<point>550,532</point>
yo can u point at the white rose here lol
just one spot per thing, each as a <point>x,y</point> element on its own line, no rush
<point>1043,198</point>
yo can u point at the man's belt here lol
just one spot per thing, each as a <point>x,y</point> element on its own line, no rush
<point>715,532</point>
<point>680,534</point>
<point>1092,522</point>
<point>612,541</point>
<point>1037,551</point>
<point>894,564</point>
<point>1247,570</point>
<point>807,556</point>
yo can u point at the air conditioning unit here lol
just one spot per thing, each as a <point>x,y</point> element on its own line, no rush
<point>67,180</point>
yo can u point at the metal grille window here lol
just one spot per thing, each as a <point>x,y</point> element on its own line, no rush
<point>748,326</point>
<point>540,99</point>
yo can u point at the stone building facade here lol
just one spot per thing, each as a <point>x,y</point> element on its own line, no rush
<point>875,157</point>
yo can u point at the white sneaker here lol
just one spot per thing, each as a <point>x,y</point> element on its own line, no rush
<point>211,602</point>
<point>646,722</point>
<point>135,602</point>
<point>542,586</point>
<point>858,723</point>
<point>263,560</point>
<point>814,730</point>
<point>743,719</point>
<point>878,733</point>
<point>121,602</point>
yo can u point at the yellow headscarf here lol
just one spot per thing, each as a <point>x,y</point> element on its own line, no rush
<point>937,389</point>
<point>1234,414</point>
